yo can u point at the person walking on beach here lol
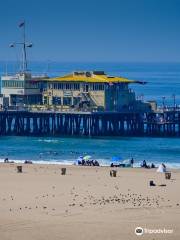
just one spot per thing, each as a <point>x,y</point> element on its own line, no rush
<point>132,162</point>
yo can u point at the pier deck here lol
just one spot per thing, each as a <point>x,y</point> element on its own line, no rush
<point>27,123</point>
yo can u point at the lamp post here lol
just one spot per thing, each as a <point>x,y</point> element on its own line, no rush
<point>163,102</point>
<point>174,101</point>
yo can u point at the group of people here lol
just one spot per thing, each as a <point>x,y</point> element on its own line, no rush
<point>28,162</point>
<point>144,165</point>
<point>89,162</point>
<point>6,160</point>
<point>125,163</point>
<point>161,168</point>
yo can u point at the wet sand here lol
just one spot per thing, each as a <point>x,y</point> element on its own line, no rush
<point>86,203</point>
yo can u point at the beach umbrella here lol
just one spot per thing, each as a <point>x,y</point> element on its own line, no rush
<point>87,157</point>
<point>116,158</point>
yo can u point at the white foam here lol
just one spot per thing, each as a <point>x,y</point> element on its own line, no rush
<point>49,140</point>
<point>62,162</point>
<point>103,162</point>
<point>172,165</point>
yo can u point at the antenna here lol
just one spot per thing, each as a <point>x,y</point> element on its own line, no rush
<point>24,45</point>
<point>6,68</point>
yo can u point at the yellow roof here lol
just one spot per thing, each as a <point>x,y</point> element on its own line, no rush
<point>90,77</point>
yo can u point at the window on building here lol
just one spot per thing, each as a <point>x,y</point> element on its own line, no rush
<point>45,100</point>
<point>56,100</point>
<point>98,87</point>
<point>76,86</point>
<point>67,101</point>
<point>60,86</point>
<point>13,84</point>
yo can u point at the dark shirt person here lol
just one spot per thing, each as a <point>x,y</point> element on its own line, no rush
<point>132,162</point>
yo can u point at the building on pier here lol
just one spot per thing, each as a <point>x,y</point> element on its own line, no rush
<point>80,90</point>
<point>21,89</point>
<point>93,90</point>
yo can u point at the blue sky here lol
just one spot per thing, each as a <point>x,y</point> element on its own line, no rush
<point>93,30</point>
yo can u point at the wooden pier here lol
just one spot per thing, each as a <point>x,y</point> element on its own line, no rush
<point>27,123</point>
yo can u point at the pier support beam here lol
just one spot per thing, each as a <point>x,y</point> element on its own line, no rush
<point>165,124</point>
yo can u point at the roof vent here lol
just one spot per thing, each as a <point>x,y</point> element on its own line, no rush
<point>99,73</point>
<point>79,73</point>
<point>88,74</point>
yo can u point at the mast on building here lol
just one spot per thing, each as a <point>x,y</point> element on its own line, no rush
<point>24,44</point>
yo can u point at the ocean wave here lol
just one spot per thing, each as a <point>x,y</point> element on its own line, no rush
<point>49,140</point>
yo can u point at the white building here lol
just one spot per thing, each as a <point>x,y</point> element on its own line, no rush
<point>21,88</point>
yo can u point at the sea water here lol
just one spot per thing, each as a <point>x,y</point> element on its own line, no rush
<point>163,80</point>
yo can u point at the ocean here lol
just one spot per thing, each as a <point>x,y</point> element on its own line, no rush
<point>163,80</point>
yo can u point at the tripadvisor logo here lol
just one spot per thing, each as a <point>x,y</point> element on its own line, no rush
<point>139,231</point>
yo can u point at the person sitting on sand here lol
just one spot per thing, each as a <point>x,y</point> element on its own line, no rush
<point>152,165</point>
<point>144,164</point>
<point>6,160</point>
<point>28,162</point>
<point>79,162</point>
<point>83,162</point>
<point>96,163</point>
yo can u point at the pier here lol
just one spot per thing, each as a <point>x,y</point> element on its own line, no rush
<point>28,123</point>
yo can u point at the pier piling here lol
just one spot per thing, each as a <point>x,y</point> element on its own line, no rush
<point>26,123</point>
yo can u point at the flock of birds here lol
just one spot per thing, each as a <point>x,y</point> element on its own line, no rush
<point>128,200</point>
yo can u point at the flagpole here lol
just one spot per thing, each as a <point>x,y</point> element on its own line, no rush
<point>24,44</point>
<point>24,49</point>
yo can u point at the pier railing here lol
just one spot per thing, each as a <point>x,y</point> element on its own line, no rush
<point>168,109</point>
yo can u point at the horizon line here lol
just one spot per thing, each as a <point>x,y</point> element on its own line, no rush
<point>91,61</point>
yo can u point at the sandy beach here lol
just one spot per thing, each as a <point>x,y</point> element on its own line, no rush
<point>86,203</point>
